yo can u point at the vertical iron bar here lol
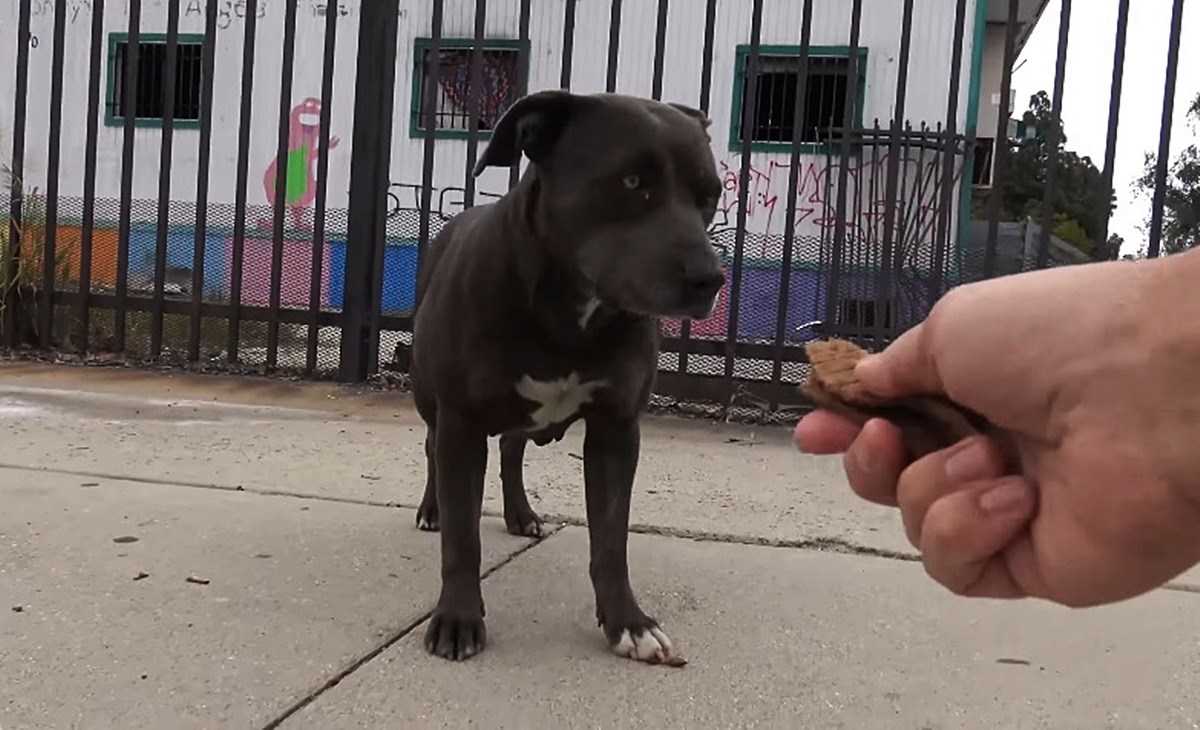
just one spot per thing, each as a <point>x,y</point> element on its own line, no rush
<point>660,49</point>
<point>88,223</point>
<point>429,95</point>
<point>614,43</point>
<point>568,44</point>
<point>281,179</point>
<point>885,302</point>
<point>474,101</point>
<point>706,72</point>
<point>12,264</point>
<point>749,107</point>
<point>200,239</point>
<point>1164,139</point>
<point>50,245</point>
<point>369,162</point>
<point>947,149</point>
<point>129,111</point>
<point>1060,77</point>
<point>1114,107</point>
<point>514,172</point>
<point>390,31</point>
<point>238,249</point>
<point>166,158</point>
<point>1001,150</point>
<point>789,225</point>
<point>848,123</point>
<point>315,288</point>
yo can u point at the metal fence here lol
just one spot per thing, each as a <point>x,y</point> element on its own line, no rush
<point>875,208</point>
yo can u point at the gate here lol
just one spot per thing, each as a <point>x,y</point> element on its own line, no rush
<point>178,190</point>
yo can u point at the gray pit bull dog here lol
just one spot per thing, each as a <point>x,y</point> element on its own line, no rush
<point>542,309</point>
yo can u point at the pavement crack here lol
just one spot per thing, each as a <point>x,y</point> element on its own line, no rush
<point>392,640</point>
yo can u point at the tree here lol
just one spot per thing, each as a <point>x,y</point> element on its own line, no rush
<point>1181,209</point>
<point>1080,202</point>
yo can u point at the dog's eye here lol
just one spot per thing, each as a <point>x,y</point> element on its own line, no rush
<point>633,182</point>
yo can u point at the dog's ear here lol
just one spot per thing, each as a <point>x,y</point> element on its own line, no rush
<point>531,125</point>
<point>696,114</point>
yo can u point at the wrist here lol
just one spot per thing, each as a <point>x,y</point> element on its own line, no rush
<point>1169,312</point>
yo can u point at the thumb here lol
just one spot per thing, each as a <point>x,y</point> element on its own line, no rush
<point>905,368</point>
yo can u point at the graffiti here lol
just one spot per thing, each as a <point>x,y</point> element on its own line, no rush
<point>447,202</point>
<point>300,185</point>
<point>816,200</point>
<point>228,11</point>
<point>75,8</point>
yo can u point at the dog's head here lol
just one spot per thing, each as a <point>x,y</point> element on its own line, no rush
<point>625,189</point>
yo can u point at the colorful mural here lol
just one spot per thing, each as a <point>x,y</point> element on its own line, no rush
<point>300,187</point>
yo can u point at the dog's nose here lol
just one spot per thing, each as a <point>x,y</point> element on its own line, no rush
<point>701,288</point>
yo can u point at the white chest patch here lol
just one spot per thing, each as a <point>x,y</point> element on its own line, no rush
<point>557,400</point>
<point>586,312</point>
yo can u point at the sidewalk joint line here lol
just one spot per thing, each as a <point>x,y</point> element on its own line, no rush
<point>355,665</point>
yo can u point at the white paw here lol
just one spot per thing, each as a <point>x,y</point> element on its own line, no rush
<point>424,523</point>
<point>651,645</point>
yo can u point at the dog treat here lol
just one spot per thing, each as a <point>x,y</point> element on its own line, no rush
<point>928,424</point>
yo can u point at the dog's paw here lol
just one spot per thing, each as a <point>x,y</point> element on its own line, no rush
<point>647,644</point>
<point>525,523</point>
<point>456,638</point>
<point>427,518</point>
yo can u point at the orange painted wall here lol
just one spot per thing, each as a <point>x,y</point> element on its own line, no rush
<point>104,252</point>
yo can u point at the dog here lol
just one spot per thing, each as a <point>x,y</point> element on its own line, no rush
<point>542,309</point>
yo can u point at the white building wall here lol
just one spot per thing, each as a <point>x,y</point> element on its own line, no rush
<point>929,73</point>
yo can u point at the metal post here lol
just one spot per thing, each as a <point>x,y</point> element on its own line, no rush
<point>369,161</point>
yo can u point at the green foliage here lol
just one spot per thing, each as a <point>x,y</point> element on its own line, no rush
<point>1181,209</point>
<point>1080,202</point>
<point>21,265</point>
<point>1069,230</point>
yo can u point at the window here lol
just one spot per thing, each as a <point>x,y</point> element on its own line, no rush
<point>149,97</point>
<point>773,119</point>
<point>981,171</point>
<point>499,66</point>
<point>856,313</point>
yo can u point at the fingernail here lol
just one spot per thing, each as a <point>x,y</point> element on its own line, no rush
<point>1009,496</point>
<point>970,463</point>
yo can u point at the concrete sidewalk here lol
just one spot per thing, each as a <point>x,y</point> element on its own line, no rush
<point>181,551</point>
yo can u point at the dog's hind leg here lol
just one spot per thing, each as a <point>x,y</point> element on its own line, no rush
<point>427,513</point>
<point>610,457</point>
<point>519,517</point>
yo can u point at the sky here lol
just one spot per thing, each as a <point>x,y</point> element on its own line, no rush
<point>1089,81</point>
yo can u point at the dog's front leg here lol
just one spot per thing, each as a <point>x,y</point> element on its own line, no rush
<point>456,628</point>
<point>610,456</point>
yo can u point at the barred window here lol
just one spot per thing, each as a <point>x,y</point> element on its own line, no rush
<point>149,98</point>
<point>773,119</point>
<point>499,67</point>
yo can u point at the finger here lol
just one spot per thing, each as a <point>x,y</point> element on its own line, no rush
<point>965,534</point>
<point>942,473</point>
<point>874,462</point>
<point>822,432</point>
<point>904,368</point>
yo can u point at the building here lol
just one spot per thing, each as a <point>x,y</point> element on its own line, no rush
<point>923,225</point>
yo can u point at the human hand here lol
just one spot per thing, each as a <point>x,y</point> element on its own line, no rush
<point>1094,372</point>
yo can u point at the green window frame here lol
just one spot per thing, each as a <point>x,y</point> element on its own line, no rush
<point>111,118</point>
<point>742,58</point>
<point>416,130</point>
